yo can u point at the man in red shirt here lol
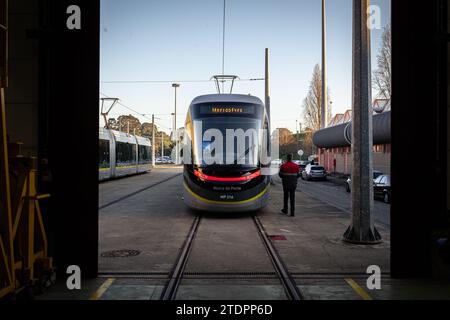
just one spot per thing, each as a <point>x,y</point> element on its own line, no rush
<point>289,173</point>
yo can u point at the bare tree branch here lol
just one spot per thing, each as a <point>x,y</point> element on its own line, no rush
<point>312,112</point>
<point>382,76</point>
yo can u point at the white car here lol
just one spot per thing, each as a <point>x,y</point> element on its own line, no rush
<point>314,172</point>
<point>276,163</point>
<point>167,160</point>
<point>348,183</point>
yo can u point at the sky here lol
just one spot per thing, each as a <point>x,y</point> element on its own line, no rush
<point>178,40</point>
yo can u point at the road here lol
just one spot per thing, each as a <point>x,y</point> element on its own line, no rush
<point>337,196</point>
<point>143,223</point>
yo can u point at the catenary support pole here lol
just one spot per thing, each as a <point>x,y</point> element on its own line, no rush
<point>175,131</point>
<point>362,229</point>
<point>324,102</point>
<point>153,140</point>
<point>267,83</point>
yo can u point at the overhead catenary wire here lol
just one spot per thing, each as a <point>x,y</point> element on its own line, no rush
<point>138,113</point>
<point>171,81</point>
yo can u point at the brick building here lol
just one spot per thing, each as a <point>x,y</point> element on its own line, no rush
<point>334,142</point>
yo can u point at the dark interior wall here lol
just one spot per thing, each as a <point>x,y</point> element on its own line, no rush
<point>419,103</point>
<point>448,108</point>
<point>69,132</point>
<point>52,106</point>
<point>54,78</point>
<point>22,95</point>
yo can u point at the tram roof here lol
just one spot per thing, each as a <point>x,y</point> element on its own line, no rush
<point>232,98</point>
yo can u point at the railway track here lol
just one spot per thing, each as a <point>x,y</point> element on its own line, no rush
<point>281,271</point>
<point>178,273</point>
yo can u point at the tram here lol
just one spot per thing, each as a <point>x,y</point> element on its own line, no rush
<point>222,154</point>
<point>122,154</point>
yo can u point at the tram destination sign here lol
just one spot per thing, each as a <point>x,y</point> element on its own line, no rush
<point>229,110</point>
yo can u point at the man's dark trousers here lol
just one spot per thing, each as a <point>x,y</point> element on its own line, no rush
<point>289,193</point>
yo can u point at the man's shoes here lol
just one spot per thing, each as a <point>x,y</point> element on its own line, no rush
<point>292,215</point>
<point>284,211</point>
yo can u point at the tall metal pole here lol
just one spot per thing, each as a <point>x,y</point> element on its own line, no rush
<point>362,229</point>
<point>162,144</point>
<point>267,88</point>
<point>176,86</point>
<point>324,104</point>
<point>297,136</point>
<point>223,43</point>
<point>153,140</point>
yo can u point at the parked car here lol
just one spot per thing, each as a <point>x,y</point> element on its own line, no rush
<point>303,165</point>
<point>167,160</point>
<point>348,183</point>
<point>276,163</point>
<point>382,188</point>
<point>314,172</point>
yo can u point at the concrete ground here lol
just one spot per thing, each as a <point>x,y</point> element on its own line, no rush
<point>333,192</point>
<point>228,260</point>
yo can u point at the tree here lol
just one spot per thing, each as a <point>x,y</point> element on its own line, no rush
<point>129,124</point>
<point>286,141</point>
<point>308,144</point>
<point>146,130</point>
<point>312,111</point>
<point>382,76</point>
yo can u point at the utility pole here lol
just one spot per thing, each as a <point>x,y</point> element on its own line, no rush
<point>267,88</point>
<point>175,86</point>
<point>324,105</point>
<point>362,229</point>
<point>223,42</point>
<point>153,140</point>
<point>162,144</point>
<point>297,136</point>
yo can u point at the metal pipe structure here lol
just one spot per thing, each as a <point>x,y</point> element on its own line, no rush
<point>362,229</point>
<point>340,136</point>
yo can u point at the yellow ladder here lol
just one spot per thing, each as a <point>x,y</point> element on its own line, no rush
<point>31,259</point>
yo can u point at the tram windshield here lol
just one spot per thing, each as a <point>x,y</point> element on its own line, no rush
<point>227,141</point>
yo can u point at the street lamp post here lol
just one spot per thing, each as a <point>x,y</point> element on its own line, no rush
<point>297,136</point>
<point>175,86</point>
<point>162,144</point>
<point>153,140</point>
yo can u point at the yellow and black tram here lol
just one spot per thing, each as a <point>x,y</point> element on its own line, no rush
<point>223,153</point>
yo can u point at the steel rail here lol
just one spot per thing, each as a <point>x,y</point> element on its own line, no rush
<point>285,277</point>
<point>170,290</point>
